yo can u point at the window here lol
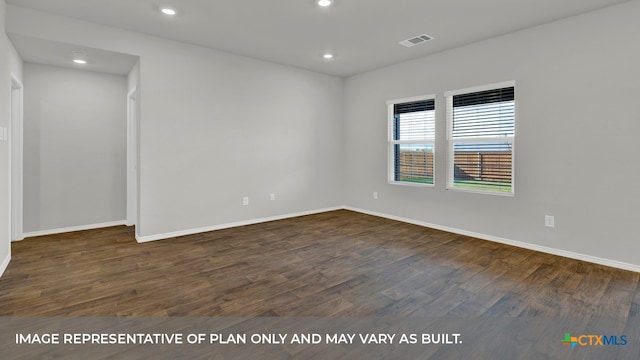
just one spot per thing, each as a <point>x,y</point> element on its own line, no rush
<point>481,130</point>
<point>411,140</point>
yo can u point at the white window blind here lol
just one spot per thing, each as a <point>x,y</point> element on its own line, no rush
<point>411,141</point>
<point>481,138</point>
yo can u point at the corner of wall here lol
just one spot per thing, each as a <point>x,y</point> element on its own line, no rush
<point>5,154</point>
<point>5,264</point>
<point>523,245</point>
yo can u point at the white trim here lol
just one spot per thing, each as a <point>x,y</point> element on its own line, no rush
<point>414,184</point>
<point>15,160</point>
<point>479,191</point>
<point>412,99</point>
<point>391,142</point>
<point>75,228</point>
<point>452,141</point>
<point>390,149</point>
<point>523,245</point>
<point>147,238</point>
<point>4,264</point>
<point>132,156</point>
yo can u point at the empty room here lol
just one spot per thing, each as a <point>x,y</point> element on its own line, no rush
<point>319,179</point>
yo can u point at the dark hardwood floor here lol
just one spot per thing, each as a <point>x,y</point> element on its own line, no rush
<point>338,263</point>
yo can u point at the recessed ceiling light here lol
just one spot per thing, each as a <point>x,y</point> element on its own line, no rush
<point>79,57</point>
<point>325,2</point>
<point>168,11</point>
<point>328,56</point>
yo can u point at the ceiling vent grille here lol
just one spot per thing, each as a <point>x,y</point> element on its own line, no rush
<point>415,40</point>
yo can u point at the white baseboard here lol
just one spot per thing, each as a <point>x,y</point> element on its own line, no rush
<point>74,228</point>
<point>4,264</point>
<point>147,238</point>
<point>520,244</point>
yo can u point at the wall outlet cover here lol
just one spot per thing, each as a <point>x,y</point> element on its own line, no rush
<point>549,221</point>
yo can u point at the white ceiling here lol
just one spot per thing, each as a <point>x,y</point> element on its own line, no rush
<point>61,54</point>
<point>363,34</point>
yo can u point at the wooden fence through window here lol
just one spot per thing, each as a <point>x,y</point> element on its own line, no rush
<point>492,166</point>
<point>483,166</point>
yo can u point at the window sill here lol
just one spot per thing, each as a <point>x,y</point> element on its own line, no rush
<point>483,192</point>
<point>412,184</point>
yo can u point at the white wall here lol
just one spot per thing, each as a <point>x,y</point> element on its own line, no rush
<point>15,63</point>
<point>133,78</point>
<point>10,64</point>
<point>5,173</point>
<point>74,148</point>
<point>215,127</point>
<point>578,86</point>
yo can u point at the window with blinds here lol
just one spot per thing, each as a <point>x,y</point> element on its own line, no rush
<point>481,131</point>
<point>411,141</point>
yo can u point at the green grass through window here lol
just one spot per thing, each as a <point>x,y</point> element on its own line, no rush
<point>464,184</point>
<point>419,180</point>
<point>483,185</point>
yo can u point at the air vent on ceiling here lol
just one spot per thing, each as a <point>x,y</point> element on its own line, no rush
<point>415,40</point>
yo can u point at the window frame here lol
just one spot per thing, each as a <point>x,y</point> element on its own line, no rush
<point>452,141</point>
<point>391,142</point>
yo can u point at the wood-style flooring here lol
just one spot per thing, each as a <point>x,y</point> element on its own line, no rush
<point>339,263</point>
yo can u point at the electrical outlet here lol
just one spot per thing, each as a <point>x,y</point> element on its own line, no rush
<point>245,200</point>
<point>375,195</point>
<point>549,221</point>
<point>273,196</point>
